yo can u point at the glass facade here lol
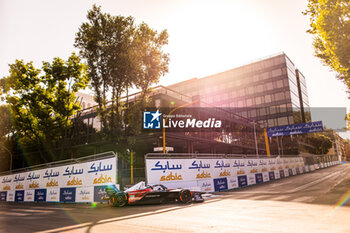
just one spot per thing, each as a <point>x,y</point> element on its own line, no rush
<point>270,91</point>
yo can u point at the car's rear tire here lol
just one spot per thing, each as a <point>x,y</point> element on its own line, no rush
<point>185,196</point>
<point>119,200</point>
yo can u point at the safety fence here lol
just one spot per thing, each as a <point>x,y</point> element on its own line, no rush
<point>82,180</point>
<point>220,173</point>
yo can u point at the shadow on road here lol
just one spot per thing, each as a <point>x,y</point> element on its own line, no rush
<point>27,217</point>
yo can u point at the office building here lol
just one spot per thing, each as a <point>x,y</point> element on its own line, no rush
<point>270,91</point>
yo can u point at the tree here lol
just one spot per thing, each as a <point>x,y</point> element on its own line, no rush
<point>321,144</point>
<point>7,139</point>
<point>330,24</point>
<point>42,106</point>
<point>120,55</point>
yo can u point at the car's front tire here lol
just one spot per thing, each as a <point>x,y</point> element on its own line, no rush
<point>119,200</point>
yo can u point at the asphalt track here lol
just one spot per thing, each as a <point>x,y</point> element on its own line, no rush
<point>305,203</point>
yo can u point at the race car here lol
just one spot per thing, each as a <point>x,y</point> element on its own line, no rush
<point>141,193</point>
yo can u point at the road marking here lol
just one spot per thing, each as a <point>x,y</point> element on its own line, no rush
<point>33,211</point>
<point>53,208</point>
<point>279,198</point>
<point>261,198</point>
<point>313,182</point>
<point>303,199</point>
<point>2,213</point>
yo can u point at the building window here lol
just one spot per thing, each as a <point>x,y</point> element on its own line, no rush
<point>249,102</point>
<point>279,83</point>
<point>276,73</point>
<point>262,111</point>
<point>268,99</point>
<point>279,96</point>
<point>269,86</point>
<point>258,100</point>
<point>283,121</point>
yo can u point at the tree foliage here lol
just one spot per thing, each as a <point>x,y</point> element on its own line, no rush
<point>42,105</point>
<point>321,144</point>
<point>120,55</point>
<point>330,25</point>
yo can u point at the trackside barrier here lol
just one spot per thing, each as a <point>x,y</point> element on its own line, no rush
<point>82,181</point>
<point>221,173</point>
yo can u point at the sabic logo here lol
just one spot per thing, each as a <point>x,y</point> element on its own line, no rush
<point>151,120</point>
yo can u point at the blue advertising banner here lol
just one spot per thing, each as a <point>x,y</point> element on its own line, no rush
<point>19,195</point>
<point>40,195</point>
<point>297,170</point>
<point>310,127</point>
<point>67,194</point>
<point>259,178</point>
<point>220,184</point>
<point>272,175</point>
<point>3,196</point>
<point>282,173</point>
<point>99,193</point>
<point>242,181</point>
<point>290,171</point>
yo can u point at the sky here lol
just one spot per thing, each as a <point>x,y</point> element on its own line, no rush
<point>205,37</point>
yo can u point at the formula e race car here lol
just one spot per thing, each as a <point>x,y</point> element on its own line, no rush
<point>141,193</point>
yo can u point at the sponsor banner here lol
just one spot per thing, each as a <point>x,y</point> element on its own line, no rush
<point>171,170</point>
<point>310,127</point>
<point>312,168</point>
<point>75,175</point>
<point>206,185</point>
<point>101,172</point>
<point>263,165</point>
<point>182,172</point>
<point>279,166</point>
<point>51,177</point>
<point>6,183</point>
<point>259,178</point>
<point>302,169</point>
<point>3,195</point>
<point>40,195</point>
<point>252,168</point>
<point>242,181</point>
<point>18,181</point>
<point>99,193</point>
<point>286,172</point>
<point>282,173</point>
<point>220,184</point>
<point>53,194</point>
<point>286,163</point>
<point>33,180</point>
<point>19,195</point>
<point>251,179</point>
<point>297,170</point>
<point>232,182</point>
<point>239,167</point>
<point>266,176</point>
<point>272,175</point>
<point>67,194</point>
<point>277,175</point>
<point>29,195</point>
<point>84,194</point>
<point>10,195</point>
<point>294,171</point>
<point>290,172</point>
<point>222,168</point>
